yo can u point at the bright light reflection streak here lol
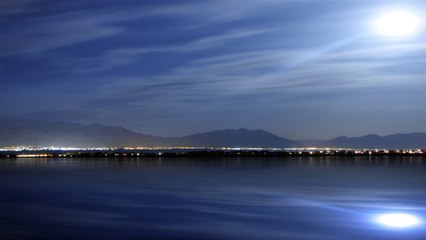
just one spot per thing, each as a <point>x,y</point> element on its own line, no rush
<point>398,220</point>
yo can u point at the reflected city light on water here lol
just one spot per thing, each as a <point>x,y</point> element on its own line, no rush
<point>398,220</point>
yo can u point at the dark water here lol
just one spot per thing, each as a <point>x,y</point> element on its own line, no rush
<point>299,198</point>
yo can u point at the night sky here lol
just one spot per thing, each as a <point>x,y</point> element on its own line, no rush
<point>300,69</point>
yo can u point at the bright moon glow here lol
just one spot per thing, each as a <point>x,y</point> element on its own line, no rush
<point>397,23</point>
<point>398,220</point>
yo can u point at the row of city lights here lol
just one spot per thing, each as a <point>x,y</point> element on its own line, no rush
<point>302,149</point>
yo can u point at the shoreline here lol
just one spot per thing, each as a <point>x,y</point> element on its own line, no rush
<point>210,153</point>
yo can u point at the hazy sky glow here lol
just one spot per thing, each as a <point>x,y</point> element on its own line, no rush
<point>301,69</point>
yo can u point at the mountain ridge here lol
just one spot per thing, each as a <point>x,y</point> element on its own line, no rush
<point>391,141</point>
<point>24,132</point>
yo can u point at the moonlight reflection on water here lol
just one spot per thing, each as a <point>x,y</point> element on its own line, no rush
<point>294,198</point>
<point>398,220</point>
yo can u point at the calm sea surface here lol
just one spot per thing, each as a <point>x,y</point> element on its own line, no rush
<point>171,198</point>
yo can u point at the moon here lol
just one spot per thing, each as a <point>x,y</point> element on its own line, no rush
<point>397,23</point>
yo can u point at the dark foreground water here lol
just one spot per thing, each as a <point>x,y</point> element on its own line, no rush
<point>299,198</point>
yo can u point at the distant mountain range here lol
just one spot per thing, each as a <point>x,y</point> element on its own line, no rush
<point>15,132</point>
<point>394,141</point>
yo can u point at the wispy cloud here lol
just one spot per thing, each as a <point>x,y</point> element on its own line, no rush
<point>54,33</point>
<point>130,56</point>
<point>74,26</point>
<point>273,70</point>
<point>10,7</point>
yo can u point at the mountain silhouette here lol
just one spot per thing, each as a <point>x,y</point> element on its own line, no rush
<point>394,141</point>
<point>238,138</point>
<point>18,132</point>
<point>24,132</point>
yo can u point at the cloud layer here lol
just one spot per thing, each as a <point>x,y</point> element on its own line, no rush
<point>302,69</point>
